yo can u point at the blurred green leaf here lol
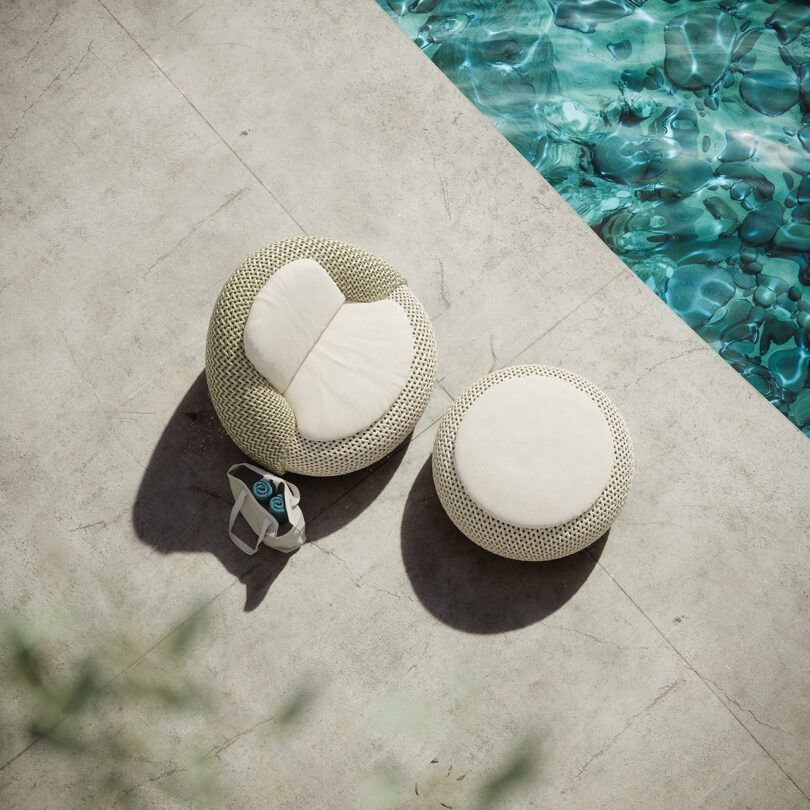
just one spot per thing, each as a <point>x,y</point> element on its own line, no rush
<point>169,695</point>
<point>294,708</point>
<point>186,634</point>
<point>520,768</point>
<point>179,693</point>
<point>87,686</point>
<point>60,706</point>
<point>26,662</point>
<point>114,785</point>
<point>57,738</point>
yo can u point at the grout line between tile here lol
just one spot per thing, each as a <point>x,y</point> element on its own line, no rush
<point>705,681</point>
<point>125,669</point>
<point>340,498</point>
<point>557,323</point>
<point>688,664</point>
<point>565,317</point>
<point>304,231</point>
<point>214,598</point>
<point>204,119</point>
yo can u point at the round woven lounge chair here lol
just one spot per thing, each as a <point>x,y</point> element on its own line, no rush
<point>341,384</point>
<point>532,462</point>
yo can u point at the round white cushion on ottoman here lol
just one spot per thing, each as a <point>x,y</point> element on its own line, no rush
<point>532,462</point>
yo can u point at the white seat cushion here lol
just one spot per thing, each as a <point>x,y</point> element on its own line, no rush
<point>354,372</point>
<point>534,451</point>
<point>339,364</point>
<point>287,318</point>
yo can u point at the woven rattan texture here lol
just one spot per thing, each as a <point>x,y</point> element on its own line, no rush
<point>256,416</point>
<point>517,542</point>
<point>364,448</point>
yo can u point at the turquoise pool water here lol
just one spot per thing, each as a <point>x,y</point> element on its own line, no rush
<point>680,132</point>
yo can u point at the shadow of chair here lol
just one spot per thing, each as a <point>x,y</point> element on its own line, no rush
<point>472,589</point>
<point>184,500</point>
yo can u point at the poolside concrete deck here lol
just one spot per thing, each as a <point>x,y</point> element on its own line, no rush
<point>146,149</point>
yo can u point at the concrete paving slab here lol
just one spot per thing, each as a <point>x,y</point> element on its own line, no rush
<point>665,666</point>
<point>719,534</point>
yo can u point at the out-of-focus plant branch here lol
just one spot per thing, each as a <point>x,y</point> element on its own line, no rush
<point>94,721</point>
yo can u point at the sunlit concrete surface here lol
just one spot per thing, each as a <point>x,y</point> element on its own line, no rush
<point>145,149</point>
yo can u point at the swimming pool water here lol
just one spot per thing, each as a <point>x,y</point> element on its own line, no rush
<point>680,132</point>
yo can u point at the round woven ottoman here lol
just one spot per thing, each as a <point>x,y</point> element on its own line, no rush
<point>319,359</point>
<point>532,462</point>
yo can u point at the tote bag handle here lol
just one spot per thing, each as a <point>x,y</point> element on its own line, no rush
<point>238,542</point>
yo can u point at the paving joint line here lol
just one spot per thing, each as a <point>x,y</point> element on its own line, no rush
<point>216,596</point>
<point>123,671</point>
<point>700,677</point>
<point>203,118</point>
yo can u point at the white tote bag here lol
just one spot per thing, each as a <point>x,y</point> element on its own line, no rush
<point>286,537</point>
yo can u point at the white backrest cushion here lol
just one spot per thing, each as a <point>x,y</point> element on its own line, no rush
<point>287,318</point>
<point>534,451</point>
<point>354,372</point>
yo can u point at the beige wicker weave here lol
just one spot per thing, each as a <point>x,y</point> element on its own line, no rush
<point>528,543</point>
<point>256,416</point>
